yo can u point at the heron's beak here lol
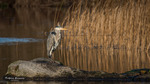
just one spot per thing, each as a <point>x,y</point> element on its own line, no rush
<point>63,29</point>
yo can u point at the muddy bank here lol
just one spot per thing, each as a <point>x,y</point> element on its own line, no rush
<point>43,69</point>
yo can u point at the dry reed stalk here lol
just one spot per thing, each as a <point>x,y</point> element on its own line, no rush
<point>118,29</point>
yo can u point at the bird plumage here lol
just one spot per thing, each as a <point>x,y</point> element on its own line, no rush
<point>53,40</point>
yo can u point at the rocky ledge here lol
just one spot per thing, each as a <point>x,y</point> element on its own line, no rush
<point>43,69</point>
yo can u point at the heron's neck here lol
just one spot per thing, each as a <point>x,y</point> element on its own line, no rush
<point>57,31</point>
<point>58,34</point>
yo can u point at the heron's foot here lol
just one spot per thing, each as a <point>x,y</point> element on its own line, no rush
<point>52,61</point>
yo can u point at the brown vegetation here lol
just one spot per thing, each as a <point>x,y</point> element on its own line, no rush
<point>112,36</point>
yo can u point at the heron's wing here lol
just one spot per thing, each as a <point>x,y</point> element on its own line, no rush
<point>50,43</point>
<point>56,41</point>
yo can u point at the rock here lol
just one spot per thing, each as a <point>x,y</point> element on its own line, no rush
<point>45,69</point>
<point>40,67</point>
<point>48,69</point>
<point>136,72</point>
<point>144,77</point>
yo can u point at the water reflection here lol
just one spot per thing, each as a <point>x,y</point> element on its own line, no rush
<point>11,41</point>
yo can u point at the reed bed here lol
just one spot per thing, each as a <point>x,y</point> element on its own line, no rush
<point>111,35</point>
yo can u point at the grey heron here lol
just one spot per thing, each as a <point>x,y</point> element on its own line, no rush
<point>53,40</point>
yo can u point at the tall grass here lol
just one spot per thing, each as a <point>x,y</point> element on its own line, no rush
<point>111,35</point>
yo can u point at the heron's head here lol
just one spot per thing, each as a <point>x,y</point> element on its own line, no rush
<point>60,28</point>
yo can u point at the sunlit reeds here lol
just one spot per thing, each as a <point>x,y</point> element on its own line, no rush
<point>112,36</point>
